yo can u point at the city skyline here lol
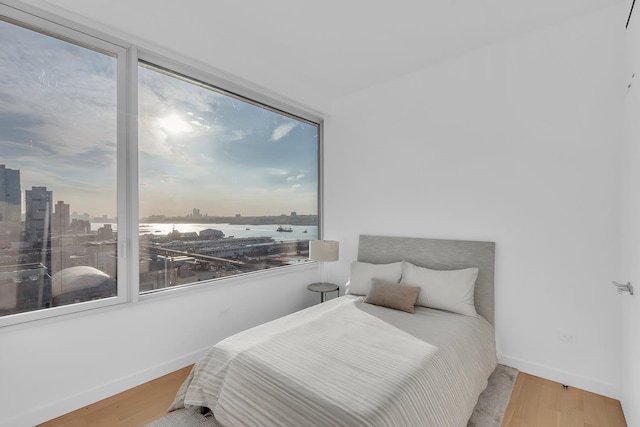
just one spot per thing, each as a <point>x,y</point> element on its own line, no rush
<point>187,214</point>
<point>195,145</point>
<point>76,214</point>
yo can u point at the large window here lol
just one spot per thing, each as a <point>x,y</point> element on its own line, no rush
<point>227,186</point>
<point>58,149</point>
<point>98,203</point>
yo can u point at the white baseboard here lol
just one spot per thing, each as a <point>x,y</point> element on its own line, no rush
<point>584,383</point>
<point>40,414</point>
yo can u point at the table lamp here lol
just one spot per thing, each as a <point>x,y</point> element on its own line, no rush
<point>323,251</point>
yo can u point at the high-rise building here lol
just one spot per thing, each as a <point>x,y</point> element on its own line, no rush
<point>9,194</point>
<point>105,233</point>
<point>61,218</point>
<point>10,207</point>
<point>38,205</point>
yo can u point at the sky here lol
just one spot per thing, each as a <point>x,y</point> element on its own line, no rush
<point>198,148</point>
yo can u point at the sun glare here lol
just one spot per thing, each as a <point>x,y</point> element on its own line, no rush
<point>174,124</point>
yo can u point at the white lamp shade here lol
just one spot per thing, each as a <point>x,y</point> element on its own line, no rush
<point>323,250</point>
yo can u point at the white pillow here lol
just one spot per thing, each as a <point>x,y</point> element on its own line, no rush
<point>362,274</point>
<point>450,290</point>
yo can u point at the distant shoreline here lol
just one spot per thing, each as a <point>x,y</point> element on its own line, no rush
<point>298,232</point>
<point>309,220</point>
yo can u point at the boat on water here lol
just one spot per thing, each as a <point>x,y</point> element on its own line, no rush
<point>304,231</point>
<point>284,229</point>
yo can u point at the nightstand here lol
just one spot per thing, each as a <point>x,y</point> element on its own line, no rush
<point>323,288</point>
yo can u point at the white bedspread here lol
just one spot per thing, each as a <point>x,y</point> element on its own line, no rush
<point>347,363</point>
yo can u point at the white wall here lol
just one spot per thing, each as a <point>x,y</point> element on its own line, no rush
<point>517,143</point>
<point>630,226</point>
<point>49,368</point>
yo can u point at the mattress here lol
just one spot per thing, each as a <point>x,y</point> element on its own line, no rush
<point>345,362</point>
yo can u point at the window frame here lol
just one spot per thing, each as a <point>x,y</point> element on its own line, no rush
<point>59,29</point>
<point>128,56</point>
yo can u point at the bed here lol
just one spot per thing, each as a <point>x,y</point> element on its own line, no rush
<point>347,362</point>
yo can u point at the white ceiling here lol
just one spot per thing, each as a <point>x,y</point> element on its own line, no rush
<point>316,52</point>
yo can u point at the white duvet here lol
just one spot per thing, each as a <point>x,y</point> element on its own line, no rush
<point>347,363</point>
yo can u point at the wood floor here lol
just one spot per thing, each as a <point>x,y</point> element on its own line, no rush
<point>539,402</point>
<point>535,402</point>
<point>135,407</point>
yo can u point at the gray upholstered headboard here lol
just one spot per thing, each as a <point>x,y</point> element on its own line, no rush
<point>438,255</point>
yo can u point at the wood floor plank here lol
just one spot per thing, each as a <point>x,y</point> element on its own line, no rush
<point>135,407</point>
<point>601,411</point>
<point>535,402</point>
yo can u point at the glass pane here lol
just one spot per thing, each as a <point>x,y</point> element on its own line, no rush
<point>57,172</point>
<point>226,186</point>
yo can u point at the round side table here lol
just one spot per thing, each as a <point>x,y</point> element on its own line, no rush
<point>323,288</point>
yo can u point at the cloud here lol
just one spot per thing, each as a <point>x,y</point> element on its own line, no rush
<point>237,135</point>
<point>282,130</point>
<point>58,126</point>
<point>278,172</point>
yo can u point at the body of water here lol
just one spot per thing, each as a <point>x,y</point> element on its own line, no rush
<point>270,230</point>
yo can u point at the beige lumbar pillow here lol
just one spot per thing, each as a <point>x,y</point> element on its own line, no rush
<point>393,295</point>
